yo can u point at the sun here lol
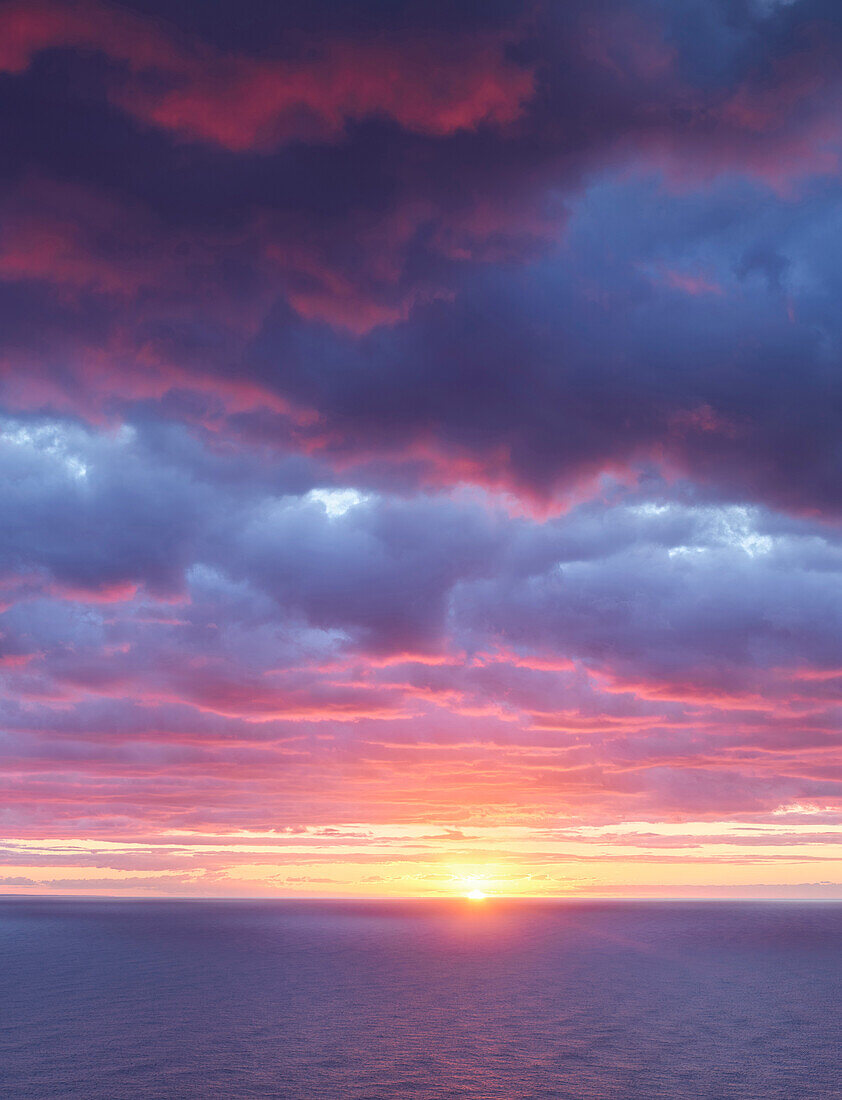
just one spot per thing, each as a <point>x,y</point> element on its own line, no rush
<point>476,895</point>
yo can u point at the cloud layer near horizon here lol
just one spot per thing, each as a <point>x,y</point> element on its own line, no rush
<point>419,439</point>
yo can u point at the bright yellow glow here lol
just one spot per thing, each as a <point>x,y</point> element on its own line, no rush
<point>634,858</point>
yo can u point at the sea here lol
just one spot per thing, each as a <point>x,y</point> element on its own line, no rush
<point>573,1000</point>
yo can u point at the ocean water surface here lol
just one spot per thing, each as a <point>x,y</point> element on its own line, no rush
<point>104,1000</point>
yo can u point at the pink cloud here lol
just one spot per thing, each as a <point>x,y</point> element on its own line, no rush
<point>690,283</point>
<point>436,84</point>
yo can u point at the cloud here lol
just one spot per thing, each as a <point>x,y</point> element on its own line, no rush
<point>417,416</point>
<point>650,653</point>
<point>238,102</point>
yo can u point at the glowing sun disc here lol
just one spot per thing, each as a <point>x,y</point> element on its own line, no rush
<point>476,895</point>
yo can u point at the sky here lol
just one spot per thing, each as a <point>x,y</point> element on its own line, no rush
<point>421,448</point>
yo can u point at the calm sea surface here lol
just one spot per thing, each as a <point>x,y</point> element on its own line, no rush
<point>102,1000</point>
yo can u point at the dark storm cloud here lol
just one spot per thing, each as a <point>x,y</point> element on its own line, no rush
<point>368,269</point>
